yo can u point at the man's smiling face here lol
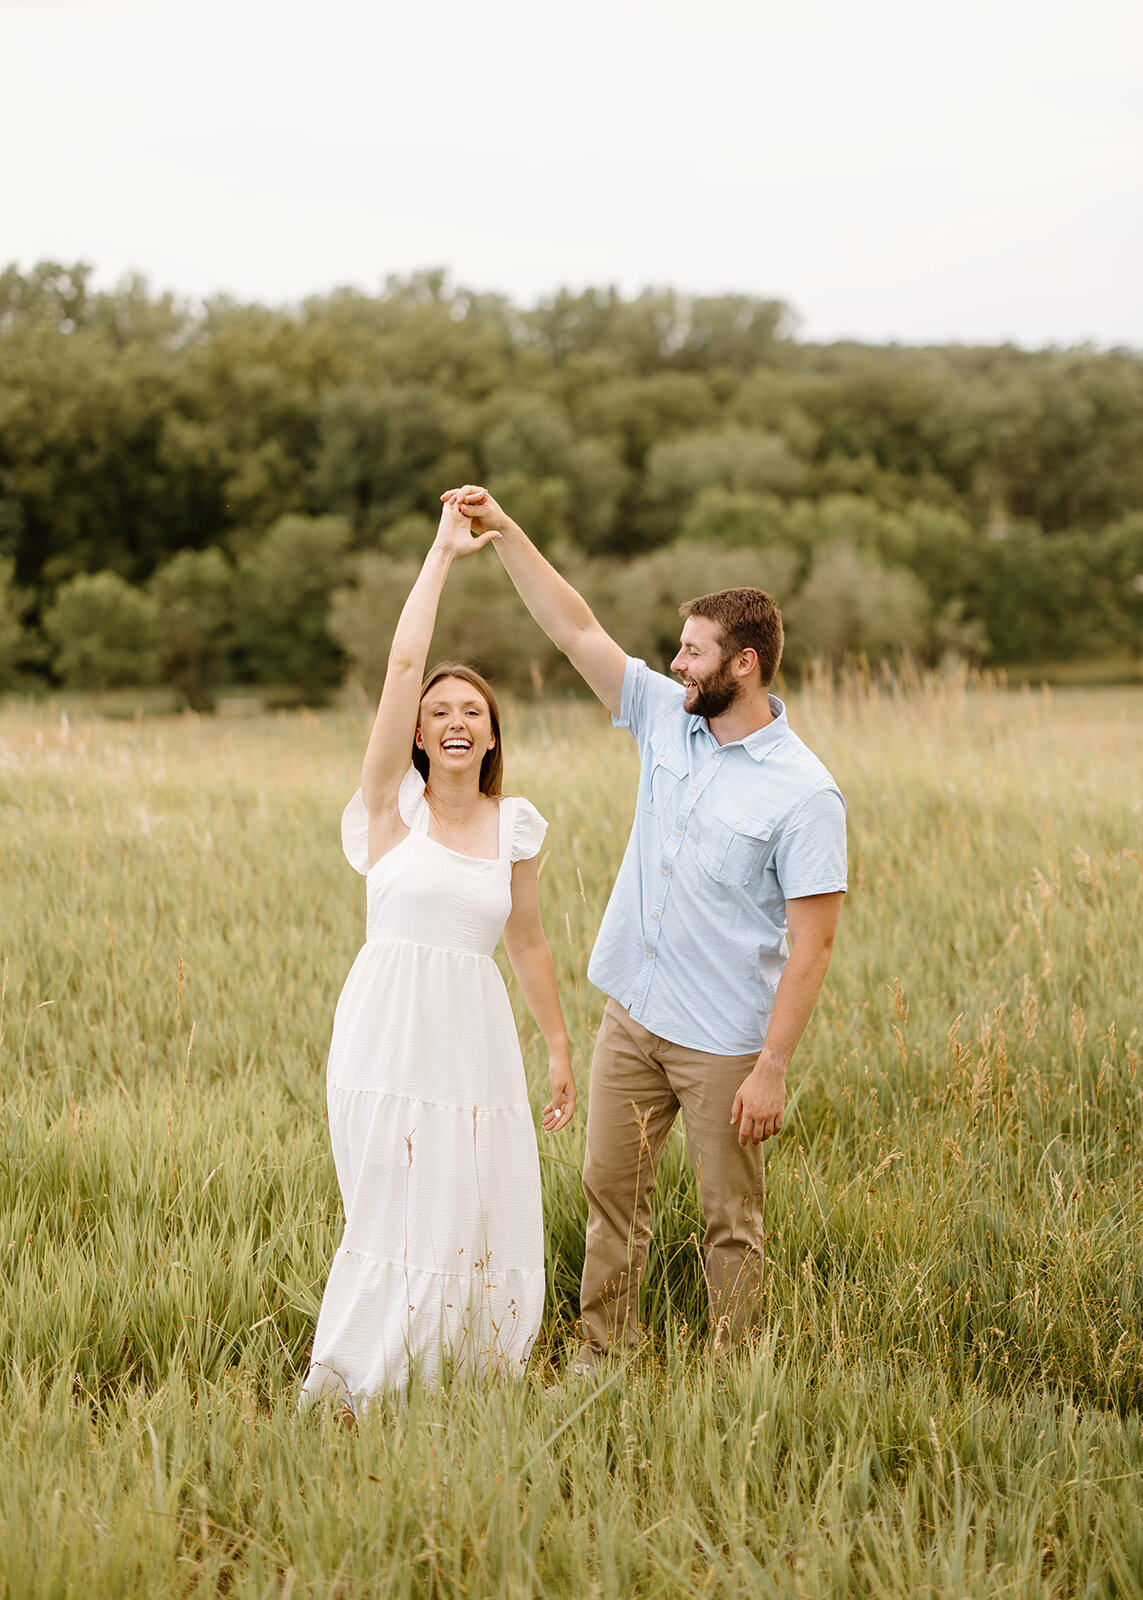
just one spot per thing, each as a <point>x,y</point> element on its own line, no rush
<point>705,668</point>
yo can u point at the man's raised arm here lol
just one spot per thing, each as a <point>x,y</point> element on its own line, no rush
<point>564,615</point>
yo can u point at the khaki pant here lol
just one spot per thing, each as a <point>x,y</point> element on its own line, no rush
<point>638,1084</point>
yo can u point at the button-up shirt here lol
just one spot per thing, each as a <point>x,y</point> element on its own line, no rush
<point>693,940</point>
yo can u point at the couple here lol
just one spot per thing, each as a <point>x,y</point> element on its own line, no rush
<point>738,842</point>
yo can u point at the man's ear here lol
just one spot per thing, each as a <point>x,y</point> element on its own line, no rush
<point>747,661</point>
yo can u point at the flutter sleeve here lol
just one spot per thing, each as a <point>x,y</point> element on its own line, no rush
<point>355,819</point>
<point>528,830</point>
<point>355,834</point>
<point>410,797</point>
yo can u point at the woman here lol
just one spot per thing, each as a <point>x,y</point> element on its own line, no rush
<point>442,1259</point>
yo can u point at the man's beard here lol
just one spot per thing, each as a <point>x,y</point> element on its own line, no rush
<point>716,693</point>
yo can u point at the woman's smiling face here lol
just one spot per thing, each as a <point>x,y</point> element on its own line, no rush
<point>455,726</point>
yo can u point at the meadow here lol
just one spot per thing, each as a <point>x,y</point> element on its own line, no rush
<point>946,1396</point>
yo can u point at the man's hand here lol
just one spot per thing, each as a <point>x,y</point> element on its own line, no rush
<point>456,535</point>
<point>477,504</point>
<point>759,1103</point>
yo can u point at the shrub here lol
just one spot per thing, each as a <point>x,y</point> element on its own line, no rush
<point>741,460</point>
<point>481,620</point>
<point>103,633</point>
<point>194,598</point>
<point>13,635</point>
<point>1119,556</point>
<point>736,519</point>
<point>853,605</point>
<point>285,585</point>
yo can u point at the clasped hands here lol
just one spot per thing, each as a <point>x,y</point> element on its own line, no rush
<point>470,519</point>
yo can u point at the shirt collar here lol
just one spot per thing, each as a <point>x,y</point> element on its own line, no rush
<point>758,744</point>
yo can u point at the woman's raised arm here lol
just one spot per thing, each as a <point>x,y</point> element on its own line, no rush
<point>387,753</point>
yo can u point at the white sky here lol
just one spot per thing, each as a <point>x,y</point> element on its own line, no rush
<point>893,169</point>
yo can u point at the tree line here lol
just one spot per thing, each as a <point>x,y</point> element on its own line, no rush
<point>226,493</point>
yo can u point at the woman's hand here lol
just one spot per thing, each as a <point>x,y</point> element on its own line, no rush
<point>456,535</point>
<point>561,1107</point>
<point>478,504</point>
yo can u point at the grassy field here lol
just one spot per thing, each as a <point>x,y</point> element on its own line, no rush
<point>946,1400</point>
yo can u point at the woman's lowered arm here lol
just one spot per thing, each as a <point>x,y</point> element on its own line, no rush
<point>531,959</point>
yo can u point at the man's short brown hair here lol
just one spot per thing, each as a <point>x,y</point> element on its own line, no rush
<point>749,620</point>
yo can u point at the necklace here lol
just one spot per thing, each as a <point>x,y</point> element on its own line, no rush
<point>459,816</point>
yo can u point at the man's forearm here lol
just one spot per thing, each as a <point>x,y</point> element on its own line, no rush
<point>797,994</point>
<point>563,614</point>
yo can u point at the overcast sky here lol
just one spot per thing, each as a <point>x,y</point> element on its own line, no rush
<point>894,169</point>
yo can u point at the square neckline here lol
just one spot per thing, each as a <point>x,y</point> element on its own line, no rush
<point>462,855</point>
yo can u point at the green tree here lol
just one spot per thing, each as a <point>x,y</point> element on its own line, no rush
<point>1119,558</point>
<point>133,427</point>
<point>853,605</point>
<point>1040,598</point>
<point>534,437</point>
<point>540,505</point>
<point>736,459</point>
<point>765,400</point>
<point>50,294</point>
<point>1055,438</point>
<point>737,519</point>
<point>14,642</point>
<point>600,485</point>
<point>377,450</point>
<point>103,633</point>
<point>733,331</point>
<point>284,590</point>
<point>194,599</point>
<point>409,537</point>
<point>640,412</point>
<point>480,620</point>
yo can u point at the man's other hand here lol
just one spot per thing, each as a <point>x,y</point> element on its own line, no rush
<point>759,1104</point>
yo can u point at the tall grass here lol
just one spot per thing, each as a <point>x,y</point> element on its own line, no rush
<point>946,1398</point>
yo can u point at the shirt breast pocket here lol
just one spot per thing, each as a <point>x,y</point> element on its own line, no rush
<point>734,846</point>
<point>667,767</point>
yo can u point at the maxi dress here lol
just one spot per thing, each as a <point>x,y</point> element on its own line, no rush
<point>441,1265</point>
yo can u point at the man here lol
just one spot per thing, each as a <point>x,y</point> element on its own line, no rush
<point>738,842</point>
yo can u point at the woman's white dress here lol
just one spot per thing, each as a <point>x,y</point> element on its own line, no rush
<point>442,1259</point>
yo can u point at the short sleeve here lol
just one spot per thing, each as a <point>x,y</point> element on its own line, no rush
<point>355,819</point>
<point>644,695</point>
<point>409,797</point>
<point>528,830</point>
<point>355,834</point>
<point>810,856</point>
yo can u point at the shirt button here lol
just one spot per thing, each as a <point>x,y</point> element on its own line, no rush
<point>654,916</point>
<point>693,791</point>
<point>666,874</point>
<point>678,833</point>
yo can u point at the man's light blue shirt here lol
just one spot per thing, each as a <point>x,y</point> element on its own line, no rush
<point>693,940</point>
